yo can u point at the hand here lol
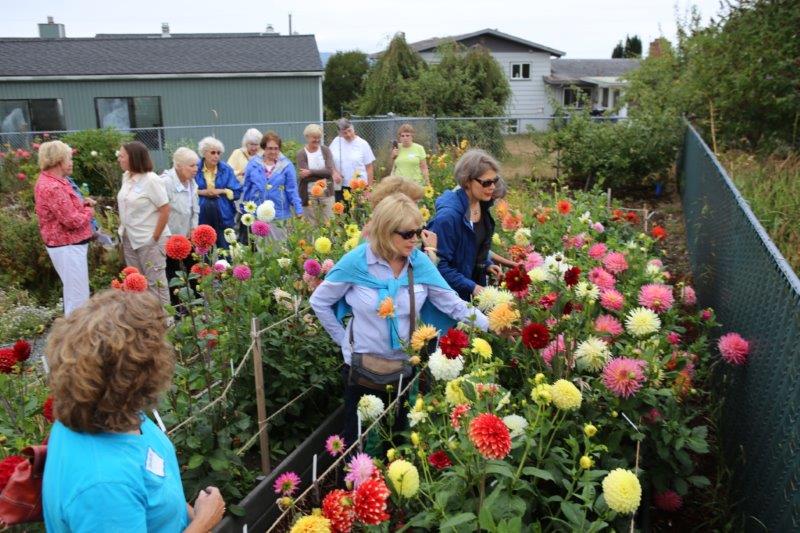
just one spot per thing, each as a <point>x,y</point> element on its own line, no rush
<point>89,201</point>
<point>429,239</point>
<point>477,290</point>
<point>395,152</point>
<point>220,192</point>
<point>156,238</point>
<point>495,270</point>
<point>209,507</point>
<point>304,172</point>
<point>337,178</point>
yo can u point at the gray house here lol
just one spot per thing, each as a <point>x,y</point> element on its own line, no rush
<point>150,81</point>
<point>537,75</point>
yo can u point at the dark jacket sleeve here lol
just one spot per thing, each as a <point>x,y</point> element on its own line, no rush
<point>326,173</point>
<point>447,229</point>
<point>302,183</point>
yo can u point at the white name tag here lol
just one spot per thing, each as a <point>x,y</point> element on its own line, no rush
<point>155,463</point>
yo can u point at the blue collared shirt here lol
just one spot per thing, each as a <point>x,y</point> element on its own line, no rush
<point>371,334</point>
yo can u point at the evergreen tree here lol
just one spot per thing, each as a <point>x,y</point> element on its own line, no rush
<point>618,52</point>
<point>344,81</point>
<point>633,47</point>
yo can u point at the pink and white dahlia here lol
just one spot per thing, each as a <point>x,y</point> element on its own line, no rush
<point>533,260</point>
<point>608,324</point>
<point>602,278</point>
<point>612,299</point>
<point>327,265</point>
<point>656,297</point>
<point>623,376</point>
<point>597,251</point>
<point>598,227</point>
<point>555,347</point>
<point>359,469</point>
<point>287,483</point>
<point>688,296</point>
<point>335,445</point>
<point>615,262</point>
<point>734,348</point>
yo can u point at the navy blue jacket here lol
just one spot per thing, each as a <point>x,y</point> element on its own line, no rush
<point>225,179</point>
<point>456,240</point>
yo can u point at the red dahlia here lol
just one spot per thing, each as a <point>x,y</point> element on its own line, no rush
<point>128,270</point>
<point>370,501</point>
<point>7,467</point>
<point>439,460</point>
<point>7,360</point>
<point>453,342</point>
<point>337,506</point>
<point>204,236</point>
<point>535,336</point>
<point>47,409</point>
<point>669,501</point>
<point>517,279</point>
<point>456,414</point>
<point>658,232</point>
<point>209,335</point>
<point>201,269</point>
<point>135,283</point>
<point>571,276</point>
<point>22,350</point>
<point>490,436</point>
<point>178,247</point>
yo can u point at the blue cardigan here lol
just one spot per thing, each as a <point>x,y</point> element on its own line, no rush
<point>456,240</point>
<point>225,179</point>
<point>280,186</point>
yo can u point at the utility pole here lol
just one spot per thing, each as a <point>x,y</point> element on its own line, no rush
<point>290,23</point>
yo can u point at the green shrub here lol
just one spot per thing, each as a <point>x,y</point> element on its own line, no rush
<point>22,318</point>
<point>95,160</point>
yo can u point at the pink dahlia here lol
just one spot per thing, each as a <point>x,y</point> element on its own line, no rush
<point>490,436</point>
<point>688,296</point>
<point>598,227</point>
<point>359,469</point>
<point>624,376</point>
<point>242,272</point>
<point>669,501</point>
<point>312,267</point>
<point>674,338</point>
<point>615,262</point>
<point>734,348</point>
<point>312,281</point>
<point>656,297</point>
<point>260,228</point>
<point>612,299</point>
<point>287,484</point>
<point>608,324</point>
<point>602,278</point>
<point>597,251</point>
<point>327,265</point>
<point>335,445</point>
<point>456,414</point>
<point>533,260</point>
<point>556,346</point>
<point>707,314</point>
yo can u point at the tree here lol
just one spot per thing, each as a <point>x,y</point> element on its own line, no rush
<point>389,83</point>
<point>344,81</point>
<point>618,52</point>
<point>633,46</point>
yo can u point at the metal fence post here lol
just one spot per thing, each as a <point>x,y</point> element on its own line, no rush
<point>261,404</point>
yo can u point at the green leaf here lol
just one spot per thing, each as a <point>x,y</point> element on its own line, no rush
<point>573,514</point>
<point>195,461</point>
<point>699,481</point>
<point>237,510</point>
<point>485,519</point>
<point>538,472</point>
<point>457,520</point>
<point>500,468</point>
<point>218,464</point>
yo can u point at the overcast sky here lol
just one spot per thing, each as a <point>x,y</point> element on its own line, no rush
<point>581,28</point>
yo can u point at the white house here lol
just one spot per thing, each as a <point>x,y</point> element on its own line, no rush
<point>537,75</point>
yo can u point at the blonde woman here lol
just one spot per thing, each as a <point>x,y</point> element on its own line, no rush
<point>241,156</point>
<point>409,158</point>
<point>389,265</point>
<point>65,222</point>
<point>109,467</point>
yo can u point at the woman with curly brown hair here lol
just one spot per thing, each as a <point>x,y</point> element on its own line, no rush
<point>109,468</point>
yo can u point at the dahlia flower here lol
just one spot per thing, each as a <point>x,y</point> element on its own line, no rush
<point>370,502</point>
<point>601,278</point>
<point>734,348</point>
<point>522,236</point>
<point>590,430</point>
<point>312,267</point>
<point>47,410</point>
<point>588,292</point>
<point>178,247</point>
<point>482,348</point>
<point>443,368</point>
<point>204,236</point>
<point>615,262</point>
<point>592,354</point>
<point>566,396</point>
<point>287,483</point>
<point>229,235</point>
<point>541,394</point>
<point>608,324</point>
<point>260,228</point>
<point>517,280</point>
<point>221,266</point>
<point>571,276</point>
<point>598,227</point>
<point>598,250</point>
<point>556,346</point>
<point>688,296</point>
<point>556,264</point>
<point>656,296</point>
<point>22,350</point>
<point>516,425</point>
<point>266,211</point>
<point>490,436</point>
<point>248,219</point>
<point>502,317</point>
<point>134,283</point>
<point>335,445</point>
<point>641,322</point>
<point>322,245</point>
<point>337,506</point>
<point>586,462</point>
<point>386,308</point>
<point>533,260</point>
<point>453,342</point>
<point>622,491</point>
<point>439,460</point>
<point>490,297</point>
<point>284,262</point>
<point>242,272</point>
<point>370,407</point>
<point>669,501</point>
<point>311,524</point>
<point>539,274</point>
<point>404,477</point>
<point>454,394</point>
<point>250,207</point>
<point>457,412</point>
<point>535,336</point>
<point>359,469</point>
<point>624,376</point>
<point>421,336</point>
<point>612,299</point>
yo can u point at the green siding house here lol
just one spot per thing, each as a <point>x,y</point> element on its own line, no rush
<point>165,87</point>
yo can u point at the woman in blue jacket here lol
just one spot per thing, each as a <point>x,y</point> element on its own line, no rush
<point>217,188</point>
<point>272,177</point>
<point>464,226</point>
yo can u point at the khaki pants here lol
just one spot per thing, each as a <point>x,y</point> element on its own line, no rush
<point>319,210</point>
<point>151,260</point>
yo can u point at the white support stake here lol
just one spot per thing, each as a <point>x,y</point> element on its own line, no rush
<point>629,422</point>
<point>45,365</point>
<point>159,421</point>
<point>314,470</point>
<point>399,390</point>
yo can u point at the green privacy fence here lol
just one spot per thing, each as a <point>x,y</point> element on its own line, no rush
<point>741,274</point>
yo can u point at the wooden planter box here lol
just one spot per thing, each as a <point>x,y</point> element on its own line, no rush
<point>261,505</point>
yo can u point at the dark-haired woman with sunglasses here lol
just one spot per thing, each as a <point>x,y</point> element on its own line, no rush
<point>464,225</point>
<point>387,284</point>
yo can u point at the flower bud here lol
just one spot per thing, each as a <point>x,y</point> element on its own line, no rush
<point>589,430</point>
<point>586,462</point>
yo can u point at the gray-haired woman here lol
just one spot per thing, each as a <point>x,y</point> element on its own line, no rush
<point>314,164</point>
<point>239,158</point>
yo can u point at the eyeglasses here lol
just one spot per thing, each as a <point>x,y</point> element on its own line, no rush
<point>408,235</point>
<point>214,152</point>
<point>487,183</point>
<point>272,148</point>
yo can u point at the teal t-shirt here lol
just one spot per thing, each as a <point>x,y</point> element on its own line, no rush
<point>110,482</point>
<point>407,162</point>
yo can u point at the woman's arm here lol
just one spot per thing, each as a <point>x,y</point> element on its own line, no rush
<point>449,303</point>
<point>370,173</point>
<point>423,166</point>
<point>209,508</point>
<point>290,180</point>
<point>59,202</point>
<point>161,223</point>
<point>446,232</point>
<point>322,301</point>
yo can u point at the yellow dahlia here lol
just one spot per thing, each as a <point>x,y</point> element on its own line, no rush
<point>565,395</point>
<point>622,491</point>
<point>312,524</point>
<point>541,394</point>
<point>421,336</point>
<point>502,317</point>
<point>590,430</point>
<point>454,394</point>
<point>641,322</point>
<point>482,348</point>
<point>322,245</point>
<point>404,477</point>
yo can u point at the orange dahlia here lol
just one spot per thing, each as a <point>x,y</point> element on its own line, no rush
<point>490,436</point>
<point>129,270</point>
<point>204,236</point>
<point>338,208</point>
<point>337,507</point>
<point>564,207</point>
<point>135,283</point>
<point>370,501</point>
<point>178,247</point>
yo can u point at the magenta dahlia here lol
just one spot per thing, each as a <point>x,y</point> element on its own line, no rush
<point>624,376</point>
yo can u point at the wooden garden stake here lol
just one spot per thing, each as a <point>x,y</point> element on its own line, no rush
<point>261,404</point>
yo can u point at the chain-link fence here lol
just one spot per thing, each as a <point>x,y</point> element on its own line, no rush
<point>741,274</point>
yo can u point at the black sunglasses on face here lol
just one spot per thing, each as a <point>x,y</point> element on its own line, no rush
<point>487,183</point>
<point>407,235</point>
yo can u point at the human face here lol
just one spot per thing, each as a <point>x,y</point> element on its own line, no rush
<point>123,159</point>
<point>348,134</point>
<point>477,190</point>
<point>252,148</point>
<point>212,156</point>
<point>313,142</point>
<point>405,239</point>
<point>186,172</point>
<point>66,166</point>
<point>271,151</point>
<point>406,138</point>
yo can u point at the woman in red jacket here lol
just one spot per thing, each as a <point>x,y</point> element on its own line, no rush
<point>65,222</point>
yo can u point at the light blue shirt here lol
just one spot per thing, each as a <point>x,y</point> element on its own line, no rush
<point>112,482</point>
<point>371,334</point>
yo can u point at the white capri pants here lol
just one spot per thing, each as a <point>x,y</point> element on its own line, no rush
<point>72,267</point>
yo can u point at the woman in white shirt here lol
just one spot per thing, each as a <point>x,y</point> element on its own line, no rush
<point>143,216</point>
<point>314,164</point>
<point>352,157</point>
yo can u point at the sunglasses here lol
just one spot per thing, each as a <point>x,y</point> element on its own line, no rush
<point>487,183</point>
<point>214,152</point>
<point>407,235</point>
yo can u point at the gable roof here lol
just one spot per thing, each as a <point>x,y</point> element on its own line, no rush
<point>565,71</point>
<point>223,55</point>
<point>430,45</point>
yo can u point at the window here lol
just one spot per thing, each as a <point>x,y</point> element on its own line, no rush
<point>576,96</point>
<point>617,95</point>
<point>138,112</point>
<point>605,96</point>
<point>510,126</point>
<point>520,71</point>
<point>41,114</point>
